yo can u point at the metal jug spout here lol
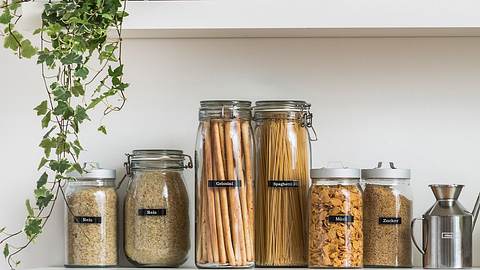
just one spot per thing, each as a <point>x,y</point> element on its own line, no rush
<point>476,211</point>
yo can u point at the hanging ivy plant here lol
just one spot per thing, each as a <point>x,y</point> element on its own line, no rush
<point>82,69</point>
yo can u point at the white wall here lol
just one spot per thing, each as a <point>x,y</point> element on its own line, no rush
<point>413,101</point>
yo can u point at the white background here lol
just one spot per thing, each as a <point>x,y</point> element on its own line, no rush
<point>413,101</point>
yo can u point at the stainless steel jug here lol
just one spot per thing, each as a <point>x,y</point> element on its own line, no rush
<point>447,230</point>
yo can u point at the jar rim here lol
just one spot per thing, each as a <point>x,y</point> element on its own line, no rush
<point>281,106</point>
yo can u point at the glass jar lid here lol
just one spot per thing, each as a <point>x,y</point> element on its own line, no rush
<point>157,159</point>
<point>335,173</point>
<point>384,172</point>
<point>93,171</point>
<point>228,109</point>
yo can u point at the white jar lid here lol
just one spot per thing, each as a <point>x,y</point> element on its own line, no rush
<point>92,171</point>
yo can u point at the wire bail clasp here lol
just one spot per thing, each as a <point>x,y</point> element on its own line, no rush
<point>307,122</point>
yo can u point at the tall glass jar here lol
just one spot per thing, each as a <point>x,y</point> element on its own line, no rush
<point>91,219</point>
<point>336,216</point>
<point>225,185</point>
<point>387,197</point>
<point>282,159</point>
<point>156,217</point>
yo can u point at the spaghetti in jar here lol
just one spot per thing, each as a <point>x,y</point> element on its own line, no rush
<point>282,164</point>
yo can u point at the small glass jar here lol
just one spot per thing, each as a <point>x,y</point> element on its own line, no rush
<point>156,218</point>
<point>336,219</point>
<point>387,196</point>
<point>91,219</point>
<point>282,163</point>
<point>225,185</point>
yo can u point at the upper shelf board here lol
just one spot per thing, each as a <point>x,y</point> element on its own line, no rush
<point>301,18</point>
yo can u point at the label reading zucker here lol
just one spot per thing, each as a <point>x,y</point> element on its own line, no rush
<point>224,183</point>
<point>152,212</point>
<point>88,220</point>
<point>340,219</point>
<point>283,184</point>
<point>389,220</point>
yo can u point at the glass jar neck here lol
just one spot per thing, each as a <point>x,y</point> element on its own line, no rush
<point>336,181</point>
<point>387,182</point>
<point>225,109</point>
<point>93,183</point>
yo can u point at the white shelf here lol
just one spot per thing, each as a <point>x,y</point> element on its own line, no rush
<point>302,18</point>
<point>62,268</point>
<point>293,18</point>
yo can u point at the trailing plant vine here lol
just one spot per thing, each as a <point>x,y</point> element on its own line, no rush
<point>82,69</point>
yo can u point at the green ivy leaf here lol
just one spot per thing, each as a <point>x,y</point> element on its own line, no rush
<point>6,17</point>
<point>42,163</point>
<point>33,227</point>
<point>26,49</point>
<point>81,114</point>
<point>29,208</point>
<point>12,40</point>
<point>42,108</point>
<point>59,166</point>
<point>47,144</point>
<point>42,181</point>
<point>77,167</point>
<point>82,72</point>
<point>102,129</point>
<point>77,89</point>
<point>6,250</point>
<point>46,120</point>
<point>43,197</point>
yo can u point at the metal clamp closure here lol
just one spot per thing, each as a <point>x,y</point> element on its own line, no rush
<point>307,122</point>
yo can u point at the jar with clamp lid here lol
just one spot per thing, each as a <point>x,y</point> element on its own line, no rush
<point>156,216</point>
<point>91,218</point>
<point>388,198</point>
<point>282,163</point>
<point>224,185</point>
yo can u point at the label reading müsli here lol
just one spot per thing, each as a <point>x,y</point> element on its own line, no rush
<point>340,219</point>
<point>224,183</point>
<point>283,184</point>
<point>389,220</point>
<point>88,220</point>
<point>152,212</point>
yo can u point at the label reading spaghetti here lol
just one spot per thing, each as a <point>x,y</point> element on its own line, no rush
<point>224,183</point>
<point>283,184</point>
<point>340,219</point>
<point>152,212</point>
<point>88,220</point>
<point>389,220</point>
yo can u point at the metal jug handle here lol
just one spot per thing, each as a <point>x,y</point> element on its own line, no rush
<point>413,236</point>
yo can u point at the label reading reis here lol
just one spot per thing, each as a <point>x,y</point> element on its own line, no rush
<point>224,183</point>
<point>88,220</point>
<point>340,219</point>
<point>389,220</point>
<point>283,184</point>
<point>152,212</point>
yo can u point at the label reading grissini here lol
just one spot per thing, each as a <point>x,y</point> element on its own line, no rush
<point>389,220</point>
<point>340,219</point>
<point>283,184</point>
<point>87,220</point>
<point>224,183</point>
<point>152,212</point>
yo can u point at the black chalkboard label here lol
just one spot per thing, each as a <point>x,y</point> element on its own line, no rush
<point>340,219</point>
<point>152,212</point>
<point>88,220</point>
<point>224,183</point>
<point>283,184</point>
<point>389,220</point>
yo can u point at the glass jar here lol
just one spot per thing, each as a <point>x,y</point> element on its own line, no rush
<point>336,216</point>
<point>225,185</point>
<point>156,215</point>
<point>91,219</point>
<point>282,162</point>
<point>387,197</point>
